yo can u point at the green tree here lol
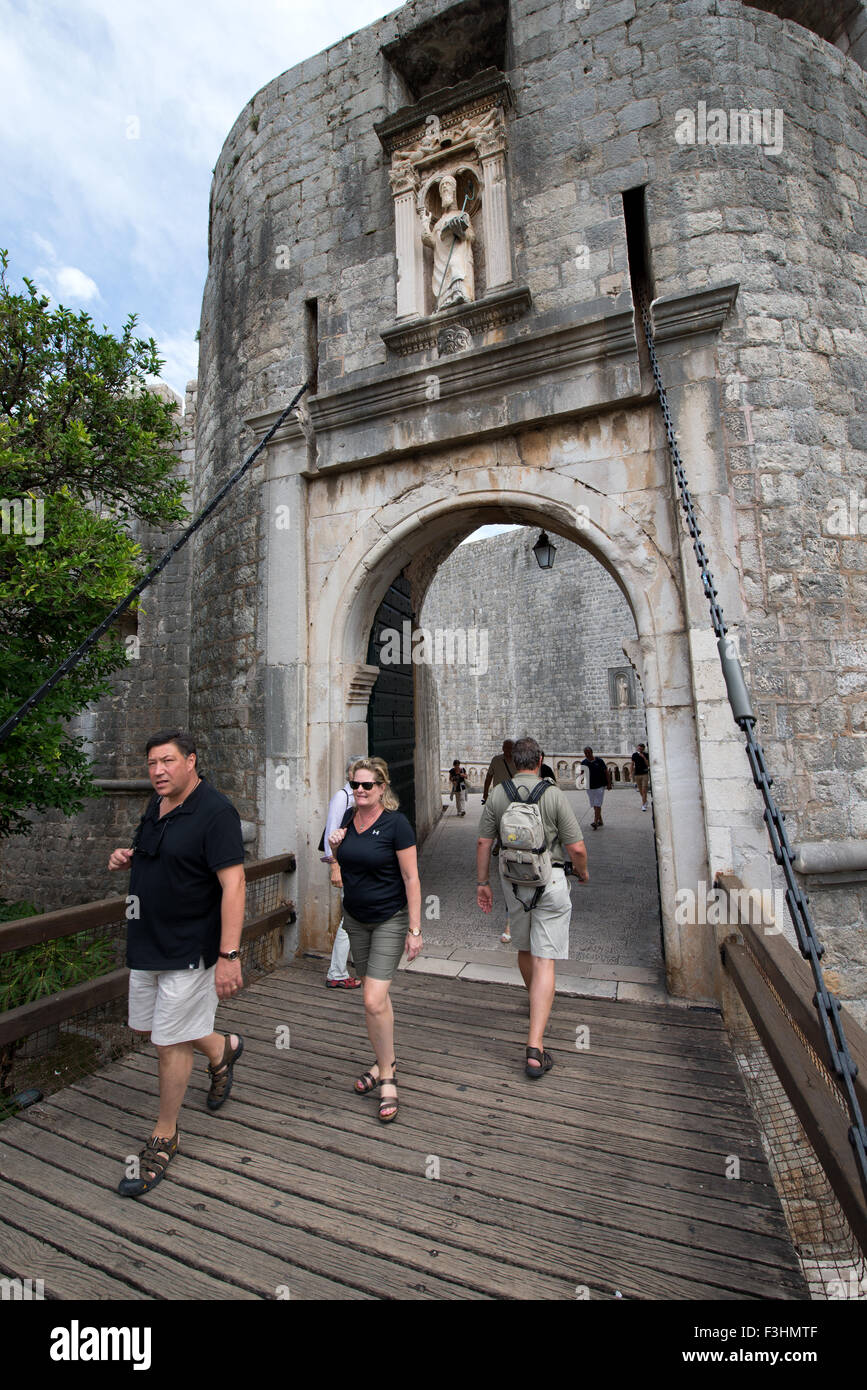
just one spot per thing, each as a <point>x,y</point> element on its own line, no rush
<point>85,451</point>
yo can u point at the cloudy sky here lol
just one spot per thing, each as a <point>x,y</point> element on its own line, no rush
<point>112,115</point>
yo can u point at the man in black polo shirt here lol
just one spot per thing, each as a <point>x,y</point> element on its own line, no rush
<point>186,894</point>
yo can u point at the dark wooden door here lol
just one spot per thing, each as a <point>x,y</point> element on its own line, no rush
<point>391,711</point>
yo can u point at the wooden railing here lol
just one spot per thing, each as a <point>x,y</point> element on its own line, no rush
<point>57,1008</point>
<point>776,987</point>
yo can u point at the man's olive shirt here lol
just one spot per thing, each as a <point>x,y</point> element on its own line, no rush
<point>558,819</point>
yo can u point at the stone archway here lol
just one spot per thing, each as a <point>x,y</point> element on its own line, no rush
<point>429,516</point>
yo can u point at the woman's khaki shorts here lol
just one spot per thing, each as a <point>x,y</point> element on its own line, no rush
<point>377,946</point>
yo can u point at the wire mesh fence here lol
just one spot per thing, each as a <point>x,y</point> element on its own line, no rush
<point>47,1058</point>
<point>833,1264</point>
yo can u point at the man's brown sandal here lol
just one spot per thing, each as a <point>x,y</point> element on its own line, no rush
<point>367,1082</point>
<point>221,1074</point>
<point>153,1161</point>
<point>386,1112</point>
<point>544,1058</point>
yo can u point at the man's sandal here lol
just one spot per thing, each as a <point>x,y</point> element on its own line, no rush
<point>221,1074</point>
<point>153,1161</point>
<point>367,1082</point>
<point>544,1058</point>
<point>348,983</point>
<point>388,1106</point>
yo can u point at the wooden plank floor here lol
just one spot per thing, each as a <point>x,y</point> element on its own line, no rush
<point>607,1175</point>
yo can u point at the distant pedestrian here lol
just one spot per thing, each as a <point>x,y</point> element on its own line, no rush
<point>640,772</point>
<point>598,781</point>
<point>458,779</point>
<point>338,976</point>
<point>376,851</point>
<point>501,768</point>
<point>539,915</point>
<point>548,772</point>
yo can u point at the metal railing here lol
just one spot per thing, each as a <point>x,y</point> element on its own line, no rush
<point>59,1037</point>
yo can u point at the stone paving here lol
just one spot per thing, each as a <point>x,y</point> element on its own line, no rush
<point>615,948</point>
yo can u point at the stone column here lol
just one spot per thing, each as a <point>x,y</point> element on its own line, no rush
<point>495,214</point>
<point>410,265</point>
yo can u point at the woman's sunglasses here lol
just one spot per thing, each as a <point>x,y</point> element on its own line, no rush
<point>363,786</point>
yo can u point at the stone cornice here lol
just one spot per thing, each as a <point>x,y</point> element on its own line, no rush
<point>698,311</point>
<point>419,335</point>
<point>571,365</point>
<point>476,94</point>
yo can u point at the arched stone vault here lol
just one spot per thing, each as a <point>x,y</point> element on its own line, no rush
<point>426,518</point>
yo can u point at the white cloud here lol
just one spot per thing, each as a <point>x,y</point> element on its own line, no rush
<point>64,283</point>
<point>74,286</point>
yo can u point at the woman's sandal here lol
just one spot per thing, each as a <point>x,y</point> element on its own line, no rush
<point>544,1058</point>
<point>388,1103</point>
<point>367,1082</point>
<point>154,1159</point>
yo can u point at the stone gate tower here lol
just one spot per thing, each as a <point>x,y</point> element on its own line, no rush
<point>443,223</point>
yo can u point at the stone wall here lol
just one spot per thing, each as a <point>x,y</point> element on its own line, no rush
<point>771,409</point>
<point>550,639</point>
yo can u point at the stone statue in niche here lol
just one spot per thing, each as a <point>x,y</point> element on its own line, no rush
<point>452,237</point>
<point>622,686</point>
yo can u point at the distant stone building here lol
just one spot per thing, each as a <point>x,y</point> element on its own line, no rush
<point>551,661</point>
<point>444,223</point>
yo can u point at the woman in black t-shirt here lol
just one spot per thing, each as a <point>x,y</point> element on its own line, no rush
<point>376,852</point>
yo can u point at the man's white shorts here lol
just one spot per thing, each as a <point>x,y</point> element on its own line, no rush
<point>174,1006</point>
<point>544,931</point>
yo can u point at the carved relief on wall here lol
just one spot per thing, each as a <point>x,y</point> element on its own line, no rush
<point>448,180</point>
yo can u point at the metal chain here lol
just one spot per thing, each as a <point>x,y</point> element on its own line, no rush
<point>825,1003</point>
<point>74,657</point>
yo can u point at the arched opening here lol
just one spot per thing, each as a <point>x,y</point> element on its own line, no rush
<point>412,535</point>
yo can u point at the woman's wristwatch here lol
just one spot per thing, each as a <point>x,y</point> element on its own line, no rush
<point>410,932</point>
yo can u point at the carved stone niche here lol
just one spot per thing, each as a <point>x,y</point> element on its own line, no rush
<point>451,215</point>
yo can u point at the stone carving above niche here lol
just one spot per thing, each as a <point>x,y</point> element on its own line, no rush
<point>449,184</point>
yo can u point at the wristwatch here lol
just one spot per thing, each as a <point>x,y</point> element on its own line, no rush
<point>230,955</point>
<point>414,933</point>
<point>486,884</point>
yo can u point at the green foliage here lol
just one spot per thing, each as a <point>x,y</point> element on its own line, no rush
<point>86,450</point>
<point>50,966</point>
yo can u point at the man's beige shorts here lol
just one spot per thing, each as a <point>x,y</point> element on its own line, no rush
<point>174,1006</point>
<point>545,930</point>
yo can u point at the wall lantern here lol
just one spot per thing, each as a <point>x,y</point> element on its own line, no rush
<point>544,552</point>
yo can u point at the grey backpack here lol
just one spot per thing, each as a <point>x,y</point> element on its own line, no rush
<point>525,860</point>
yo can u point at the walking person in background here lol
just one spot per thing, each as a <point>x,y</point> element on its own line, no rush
<point>376,851</point>
<point>501,767</point>
<point>598,781</point>
<point>640,772</point>
<point>458,780</point>
<point>540,919</point>
<point>338,976</point>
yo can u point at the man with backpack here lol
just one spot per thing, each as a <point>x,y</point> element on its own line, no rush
<point>538,833</point>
